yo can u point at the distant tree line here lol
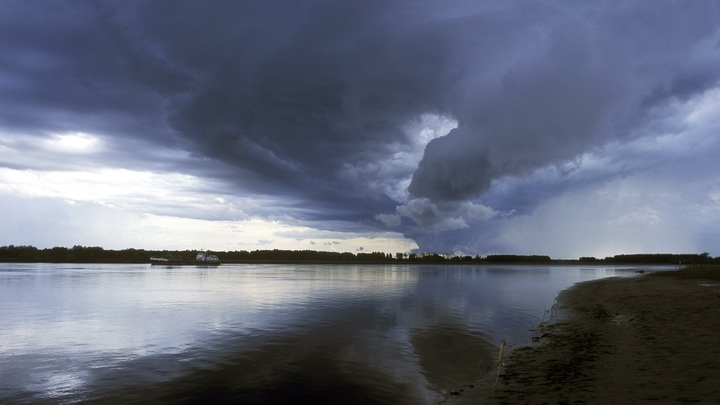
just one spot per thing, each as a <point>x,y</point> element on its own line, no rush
<point>658,258</point>
<point>95,254</point>
<point>83,254</point>
<point>299,256</point>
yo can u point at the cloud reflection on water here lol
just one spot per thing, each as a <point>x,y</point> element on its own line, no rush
<point>252,330</point>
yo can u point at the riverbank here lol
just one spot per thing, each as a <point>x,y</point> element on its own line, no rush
<point>620,340</point>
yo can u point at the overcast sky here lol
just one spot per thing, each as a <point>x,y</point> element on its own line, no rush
<point>563,128</point>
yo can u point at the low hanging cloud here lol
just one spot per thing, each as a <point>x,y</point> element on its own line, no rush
<point>439,120</point>
<point>444,216</point>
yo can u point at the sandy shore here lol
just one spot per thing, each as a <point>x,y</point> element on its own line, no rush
<point>620,340</point>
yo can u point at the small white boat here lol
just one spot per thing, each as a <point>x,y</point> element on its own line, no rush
<point>201,259</point>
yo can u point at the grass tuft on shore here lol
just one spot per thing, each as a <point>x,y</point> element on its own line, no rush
<point>698,271</point>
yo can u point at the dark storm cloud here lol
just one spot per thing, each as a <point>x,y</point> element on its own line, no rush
<point>70,67</point>
<point>586,78</point>
<point>309,100</point>
<point>298,95</point>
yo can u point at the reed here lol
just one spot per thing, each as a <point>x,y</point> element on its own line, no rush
<point>500,362</point>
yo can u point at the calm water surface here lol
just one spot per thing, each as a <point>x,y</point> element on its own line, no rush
<point>263,333</point>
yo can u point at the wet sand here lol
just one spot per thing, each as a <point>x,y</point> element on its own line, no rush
<point>619,340</point>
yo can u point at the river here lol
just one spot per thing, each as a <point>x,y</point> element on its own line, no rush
<point>264,334</point>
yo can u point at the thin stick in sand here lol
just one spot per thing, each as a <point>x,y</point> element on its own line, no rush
<point>500,363</point>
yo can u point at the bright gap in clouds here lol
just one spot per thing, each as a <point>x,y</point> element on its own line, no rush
<point>47,222</point>
<point>121,208</point>
<point>73,143</point>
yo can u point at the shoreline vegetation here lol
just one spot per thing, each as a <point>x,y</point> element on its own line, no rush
<point>620,340</point>
<point>94,254</point>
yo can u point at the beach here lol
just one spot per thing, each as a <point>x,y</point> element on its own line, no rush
<point>651,338</point>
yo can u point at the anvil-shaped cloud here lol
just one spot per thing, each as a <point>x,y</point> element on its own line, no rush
<point>466,126</point>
